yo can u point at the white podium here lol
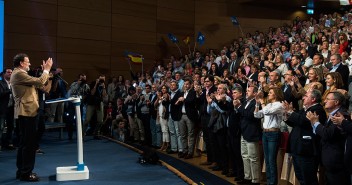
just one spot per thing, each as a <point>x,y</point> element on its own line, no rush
<point>80,171</point>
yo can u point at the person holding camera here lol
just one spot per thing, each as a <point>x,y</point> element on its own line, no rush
<point>81,89</point>
<point>95,104</point>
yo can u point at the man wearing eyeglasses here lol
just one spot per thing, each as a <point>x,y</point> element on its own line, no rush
<point>333,140</point>
<point>303,145</point>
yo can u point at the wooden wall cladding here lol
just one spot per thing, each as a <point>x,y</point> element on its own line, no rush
<point>96,5</point>
<point>84,16</point>
<point>212,18</point>
<point>91,36</point>
<point>31,9</point>
<point>83,31</point>
<point>30,26</point>
<point>137,8</point>
<point>84,62</point>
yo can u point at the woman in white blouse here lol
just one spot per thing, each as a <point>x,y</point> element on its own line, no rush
<point>273,115</point>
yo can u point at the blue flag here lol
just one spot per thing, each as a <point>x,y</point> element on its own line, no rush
<point>172,38</point>
<point>234,21</point>
<point>200,38</point>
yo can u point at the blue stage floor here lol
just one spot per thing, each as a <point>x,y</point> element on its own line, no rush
<point>108,163</point>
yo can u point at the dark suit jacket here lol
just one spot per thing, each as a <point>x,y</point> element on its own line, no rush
<point>347,127</point>
<point>312,50</point>
<point>234,127</point>
<point>191,105</point>
<point>254,77</point>
<point>152,109</point>
<point>301,126</point>
<point>203,101</point>
<point>223,67</point>
<point>288,96</point>
<point>176,110</point>
<point>333,141</point>
<point>302,79</point>
<point>233,68</point>
<point>250,126</point>
<point>4,97</point>
<point>345,72</point>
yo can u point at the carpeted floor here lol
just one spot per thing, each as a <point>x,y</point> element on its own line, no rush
<point>108,163</point>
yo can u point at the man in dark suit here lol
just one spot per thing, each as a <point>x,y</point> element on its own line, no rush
<point>198,60</point>
<point>346,125</point>
<point>189,117</point>
<point>333,140</point>
<point>6,111</point>
<point>287,89</point>
<point>298,69</point>
<point>218,107</point>
<point>251,134</point>
<point>234,63</point>
<point>155,128</point>
<point>337,66</point>
<point>175,114</point>
<point>209,89</point>
<point>303,145</point>
<point>234,136</point>
<point>26,109</point>
<point>144,113</point>
<point>312,50</point>
<point>253,77</point>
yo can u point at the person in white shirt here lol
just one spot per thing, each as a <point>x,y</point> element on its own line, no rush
<point>273,116</point>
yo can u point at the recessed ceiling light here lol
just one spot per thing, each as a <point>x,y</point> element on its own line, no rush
<point>303,6</point>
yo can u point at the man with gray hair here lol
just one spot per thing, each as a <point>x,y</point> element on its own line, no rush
<point>303,144</point>
<point>337,66</point>
<point>333,140</point>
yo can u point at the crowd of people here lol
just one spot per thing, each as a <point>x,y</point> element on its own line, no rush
<point>292,79</point>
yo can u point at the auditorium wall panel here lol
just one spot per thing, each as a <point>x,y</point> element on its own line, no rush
<point>31,9</point>
<point>30,42</point>
<point>87,33</point>
<point>135,8</point>
<point>83,46</point>
<point>84,61</point>
<point>177,16</point>
<point>45,1</point>
<point>84,16</point>
<point>83,31</point>
<point>127,35</point>
<point>30,26</point>
<point>133,22</point>
<point>183,5</point>
<point>98,5</point>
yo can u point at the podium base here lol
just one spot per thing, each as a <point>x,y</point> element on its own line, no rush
<point>69,173</point>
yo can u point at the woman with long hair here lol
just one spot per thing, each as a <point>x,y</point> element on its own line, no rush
<point>272,112</point>
<point>162,103</point>
<point>333,82</point>
<point>214,70</point>
<point>188,69</point>
<point>315,76</point>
